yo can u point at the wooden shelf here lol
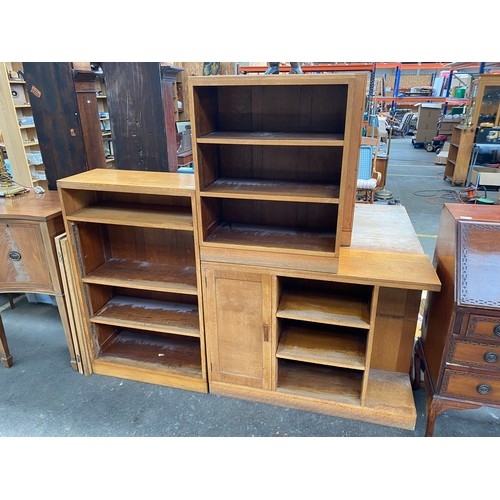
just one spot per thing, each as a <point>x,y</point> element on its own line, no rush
<point>17,81</point>
<point>147,314</point>
<point>323,346</point>
<point>154,351</point>
<point>451,161</point>
<point>320,382</point>
<point>260,189</point>
<point>29,144</point>
<point>130,214</point>
<point>101,96</point>
<point>22,105</point>
<point>24,127</point>
<point>331,308</point>
<point>106,134</point>
<point>273,138</point>
<point>145,276</point>
<point>266,237</point>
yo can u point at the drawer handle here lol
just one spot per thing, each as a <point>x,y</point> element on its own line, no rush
<point>483,389</point>
<point>265,330</point>
<point>496,330</point>
<point>491,357</point>
<point>14,256</point>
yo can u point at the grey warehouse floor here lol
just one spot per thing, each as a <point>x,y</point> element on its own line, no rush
<point>42,396</point>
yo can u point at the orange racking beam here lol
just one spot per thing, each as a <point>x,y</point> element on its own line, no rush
<point>311,69</point>
<point>363,66</point>
<point>414,66</point>
<point>448,100</point>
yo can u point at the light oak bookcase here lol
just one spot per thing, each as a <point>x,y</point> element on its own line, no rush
<point>277,165</point>
<point>18,128</point>
<point>303,306</point>
<point>134,244</point>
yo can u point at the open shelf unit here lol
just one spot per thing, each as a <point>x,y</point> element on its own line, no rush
<point>324,339</point>
<point>103,109</point>
<point>486,110</point>
<point>19,129</point>
<point>136,251</point>
<point>277,162</point>
<point>459,155</point>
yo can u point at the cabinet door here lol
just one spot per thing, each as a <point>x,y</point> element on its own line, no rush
<point>238,327</point>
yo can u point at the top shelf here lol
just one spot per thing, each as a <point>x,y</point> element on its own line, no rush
<point>130,181</point>
<point>133,214</point>
<point>263,138</point>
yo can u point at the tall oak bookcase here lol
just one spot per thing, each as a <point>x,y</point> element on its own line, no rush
<point>300,309</point>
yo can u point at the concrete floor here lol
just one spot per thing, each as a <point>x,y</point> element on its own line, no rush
<point>41,395</point>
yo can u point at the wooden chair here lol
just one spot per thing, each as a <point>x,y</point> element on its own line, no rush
<point>403,126</point>
<point>369,180</point>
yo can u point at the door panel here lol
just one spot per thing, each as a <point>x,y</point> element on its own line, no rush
<point>238,323</point>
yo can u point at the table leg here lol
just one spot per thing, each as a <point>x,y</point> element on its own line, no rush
<point>416,367</point>
<point>434,407</point>
<point>6,358</point>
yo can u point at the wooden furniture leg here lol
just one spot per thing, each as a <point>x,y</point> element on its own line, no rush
<point>434,407</point>
<point>6,359</point>
<point>416,367</point>
<point>11,300</point>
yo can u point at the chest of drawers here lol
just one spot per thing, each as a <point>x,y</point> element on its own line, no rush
<point>459,350</point>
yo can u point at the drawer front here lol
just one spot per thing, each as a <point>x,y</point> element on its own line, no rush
<point>475,354</point>
<point>473,387</point>
<point>484,326</point>
<point>23,262</point>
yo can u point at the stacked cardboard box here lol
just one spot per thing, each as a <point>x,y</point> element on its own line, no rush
<point>442,155</point>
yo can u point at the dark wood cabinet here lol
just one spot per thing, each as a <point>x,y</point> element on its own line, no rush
<point>142,117</point>
<point>459,351</point>
<point>65,111</point>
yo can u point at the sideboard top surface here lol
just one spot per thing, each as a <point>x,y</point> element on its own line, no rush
<point>385,250</point>
<point>31,206</point>
<point>485,213</point>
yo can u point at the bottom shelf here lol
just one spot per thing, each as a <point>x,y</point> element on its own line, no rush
<point>273,237</point>
<point>320,382</point>
<point>157,351</point>
<point>389,398</point>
